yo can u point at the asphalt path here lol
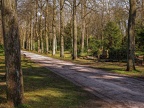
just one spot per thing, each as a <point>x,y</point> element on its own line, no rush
<point>119,91</point>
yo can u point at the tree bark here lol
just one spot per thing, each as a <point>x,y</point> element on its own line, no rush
<point>31,36</point>
<point>40,28</point>
<point>54,28</point>
<point>14,77</point>
<point>142,14</point>
<point>87,40</point>
<point>24,40</point>
<point>46,28</point>
<point>83,24</point>
<point>36,26</point>
<point>131,36</point>
<point>74,32</point>
<point>62,28</point>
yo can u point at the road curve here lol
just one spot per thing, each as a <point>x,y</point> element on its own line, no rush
<point>119,91</point>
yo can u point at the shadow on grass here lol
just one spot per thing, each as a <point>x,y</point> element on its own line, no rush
<point>50,88</point>
<point>2,69</point>
<point>2,91</point>
<point>45,89</point>
<point>2,83</point>
<point>3,100</point>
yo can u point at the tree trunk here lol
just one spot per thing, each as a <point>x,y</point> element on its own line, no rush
<point>83,24</point>
<point>142,14</point>
<point>14,77</point>
<point>87,40</point>
<point>71,30</point>
<point>36,26</point>
<point>41,27</point>
<point>24,40</point>
<point>30,33</point>
<point>131,36</point>
<point>33,31</point>
<point>47,41</point>
<point>27,36</point>
<point>46,27</point>
<point>74,31</point>
<point>41,35</point>
<point>62,28</point>
<point>54,28</point>
<point>31,37</point>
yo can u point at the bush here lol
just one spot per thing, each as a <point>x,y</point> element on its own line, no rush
<point>118,54</point>
<point>139,37</point>
<point>1,47</point>
<point>23,106</point>
<point>94,46</point>
<point>112,36</point>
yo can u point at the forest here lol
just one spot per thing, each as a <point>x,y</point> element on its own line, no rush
<point>98,28</point>
<point>103,31</point>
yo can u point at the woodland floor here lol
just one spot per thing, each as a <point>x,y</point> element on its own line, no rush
<point>117,90</point>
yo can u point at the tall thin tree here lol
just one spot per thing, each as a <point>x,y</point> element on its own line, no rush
<point>142,14</point>
<point>131,36</point>
<point>36,26</point>
<point>62,28</point>
<point>83,24</point>
<point>46,27</point>
<point>14,76</point>
<point>54,28</point>
<point>74,32</point>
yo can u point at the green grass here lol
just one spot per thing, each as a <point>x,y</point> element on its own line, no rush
<point>139,53</point>
<point>2,83</point>
<point>44,89</point>
<point>114,67</point>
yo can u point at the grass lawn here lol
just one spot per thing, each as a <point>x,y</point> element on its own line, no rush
<point>115,67</point>
<point>44,89</point>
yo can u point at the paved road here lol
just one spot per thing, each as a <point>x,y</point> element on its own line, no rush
<point>119,91</point>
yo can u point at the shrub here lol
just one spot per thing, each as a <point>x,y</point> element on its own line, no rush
<point>23,106</point>
<point>1,47</point>
<point>118,54</point>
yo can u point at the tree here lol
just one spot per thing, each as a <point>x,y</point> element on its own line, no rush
<point>112,36</point>
<point>62,28</point>
<point>54,28</point>
<point>142,13</point>
<point>41,26</point>
<point>46,27</point>
<point>14,76</point>
<point>74,32</point>
<point>88,18</point>
<point>36,26</point>
<point>131,36</point>
<point>83,24</point>
<point>68,37</point>
<point>139,37</point>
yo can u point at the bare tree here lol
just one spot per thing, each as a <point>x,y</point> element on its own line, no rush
<point>131,36</point>
<point>62,28</point>
<point>46,27</point>
<point>54,28</point>
<point>83,24</point>
<point>142,16</point>
<point>74,31</point>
